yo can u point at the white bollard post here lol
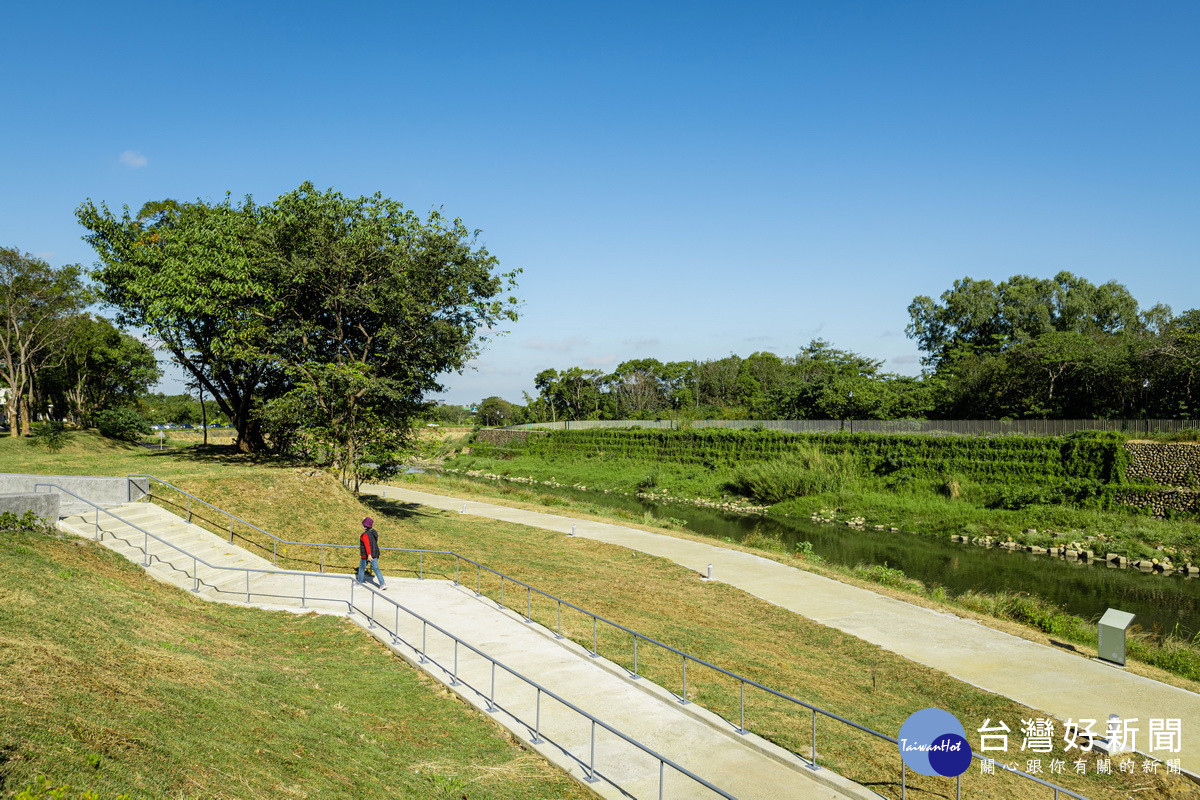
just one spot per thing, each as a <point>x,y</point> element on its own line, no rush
<point>464,509</point>
<point>710,572</point>
<point>572,533</point>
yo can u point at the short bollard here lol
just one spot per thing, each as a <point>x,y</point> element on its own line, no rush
<point>464,509</point>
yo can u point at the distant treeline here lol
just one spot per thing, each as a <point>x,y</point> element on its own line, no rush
<point>1023,348</point>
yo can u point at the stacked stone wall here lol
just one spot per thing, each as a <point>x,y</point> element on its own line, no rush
<point>1167,464</point>
<point>1161,502</point>
<point>1171,464</point>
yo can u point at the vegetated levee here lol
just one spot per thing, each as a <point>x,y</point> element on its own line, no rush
<point>1163,604</point>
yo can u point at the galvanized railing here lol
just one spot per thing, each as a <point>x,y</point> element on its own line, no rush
<point>964,427</point>
<point>374,618</point>
<point>635,637</point>
<point>537,735</point>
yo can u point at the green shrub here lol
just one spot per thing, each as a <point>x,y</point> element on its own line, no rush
<point>30,522</point>
<point>51,435</point>
<point>886,576</point>
<point>121,423</point>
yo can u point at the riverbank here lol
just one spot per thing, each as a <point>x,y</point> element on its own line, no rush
<point>945,507</point>
<point>1166,657</point>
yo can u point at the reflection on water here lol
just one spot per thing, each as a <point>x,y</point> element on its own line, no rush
<point>1160,602</point>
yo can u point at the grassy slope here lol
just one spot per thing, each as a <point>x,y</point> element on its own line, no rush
<point>120,684</point>
<point>714,621</point>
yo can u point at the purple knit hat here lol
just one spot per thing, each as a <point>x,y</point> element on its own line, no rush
<point>368,522</point>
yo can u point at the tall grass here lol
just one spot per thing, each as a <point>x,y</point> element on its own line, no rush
<point>804,471</point>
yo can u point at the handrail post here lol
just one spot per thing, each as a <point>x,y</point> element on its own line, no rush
<point>231,529</point>
<point>99,536</point>
<point>421,566</point>
<point>492,697</point>
<point>661,765</point>
<point>478,579</point>
<point>502,591</point>
<point>304,591</point>
<point>683,697</point>
<point>814,739</point>
<point>903,781</point>
<point>537,719</point>
<point>528,604</point>
<point>742,708</point>
<point>189,508</point>
<point>456,565</point>
<point>424,630</point>
<point>635,668</point>
<point>274,552</point>
<point>595,623</point>
<point>591,777</point>
<point>454,674</point>
<point>322,560</point>
<point>559,634</point>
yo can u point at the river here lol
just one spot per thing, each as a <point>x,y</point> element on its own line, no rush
<point>1161,603</point>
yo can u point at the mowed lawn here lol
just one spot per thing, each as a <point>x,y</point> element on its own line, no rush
<point>658,598</point>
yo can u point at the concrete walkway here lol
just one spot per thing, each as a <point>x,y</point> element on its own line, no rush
<point>1066,686</point>
<point>745,766</point>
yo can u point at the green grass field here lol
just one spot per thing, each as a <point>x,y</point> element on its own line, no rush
<point>658,598</point>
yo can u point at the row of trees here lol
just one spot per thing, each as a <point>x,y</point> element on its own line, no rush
<point>1022,348</point>
<point>316,322</point>
<point>55,359</point>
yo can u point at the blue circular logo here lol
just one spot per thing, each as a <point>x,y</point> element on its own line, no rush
<point>933,742</point>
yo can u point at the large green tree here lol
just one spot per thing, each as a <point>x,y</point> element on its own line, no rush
<point>988,317</point>
<point>316,312</point>
<point>100,367</point>
<point>37,302</point>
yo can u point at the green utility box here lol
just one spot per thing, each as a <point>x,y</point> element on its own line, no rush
<point>1113,626</point>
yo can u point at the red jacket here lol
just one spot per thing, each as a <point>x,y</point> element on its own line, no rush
<point>368,544</point>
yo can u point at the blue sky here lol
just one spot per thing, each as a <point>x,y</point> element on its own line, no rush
<point>677,180</point>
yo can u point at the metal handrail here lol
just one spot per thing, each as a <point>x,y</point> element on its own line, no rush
<point>147,556</point>
<point>535,729</point>
<point>537,735</point>
<point>685,656</point>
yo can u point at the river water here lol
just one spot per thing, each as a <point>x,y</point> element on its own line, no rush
<point>1161,603</point>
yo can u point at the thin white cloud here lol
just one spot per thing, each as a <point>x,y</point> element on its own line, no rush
<point>642,343</point>
<point>905,360</point>
<point>558,345</point>
<point>132,158</point>
<point>601,361</point>
<point>46,256</point>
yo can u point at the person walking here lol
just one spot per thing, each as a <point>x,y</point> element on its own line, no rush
<point>368,550</point>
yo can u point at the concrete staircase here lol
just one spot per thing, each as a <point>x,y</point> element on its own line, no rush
<point>188,556</point>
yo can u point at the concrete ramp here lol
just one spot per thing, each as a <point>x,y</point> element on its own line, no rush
<point>481,655</point>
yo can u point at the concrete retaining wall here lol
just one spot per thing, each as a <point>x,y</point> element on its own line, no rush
<point>101,490</point>
<point>44,504</point>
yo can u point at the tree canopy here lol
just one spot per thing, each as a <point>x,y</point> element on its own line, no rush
<point>37,302</point>
<point>317,313</point>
